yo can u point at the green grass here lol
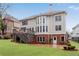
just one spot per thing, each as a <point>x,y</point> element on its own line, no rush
<point>8,48</point>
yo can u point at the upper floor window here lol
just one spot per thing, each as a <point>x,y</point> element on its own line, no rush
<point>46,28</point>
<point>38,20</point>
<point>58,18</point>
<point>40,28</point>
<point>24,22</point>
<point>58,27</point>
<point>43,28</point>
<point>33,29</point>
<point>43,20</point>
<point>23,29</point>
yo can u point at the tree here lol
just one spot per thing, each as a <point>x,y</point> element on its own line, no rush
<point>3,8</point>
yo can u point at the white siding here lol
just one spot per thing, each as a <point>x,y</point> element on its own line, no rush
<point>50,22</point>
<point>75,32</point>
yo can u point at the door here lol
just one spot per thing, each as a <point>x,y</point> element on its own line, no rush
<point>54,40</point>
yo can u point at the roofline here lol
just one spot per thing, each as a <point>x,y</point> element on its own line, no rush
<point>75,26</point>
<point>43,14</point>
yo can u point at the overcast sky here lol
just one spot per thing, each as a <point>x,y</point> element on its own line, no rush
<point>21,10</point>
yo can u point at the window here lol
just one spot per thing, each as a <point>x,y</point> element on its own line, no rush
<point>40,39</point>
<point>43,39</point>
<point>23,29</point>
<point>46,28</point>
<point>24,22</point>
<point>40,28</point>
<point>43,20</point>
<point>62,38</point>
<point>43,28</point>
<point>54,38</point>
<point>58,27</point>
<point>38,20</point>
<point>32,29</point>
<point>58,18</point>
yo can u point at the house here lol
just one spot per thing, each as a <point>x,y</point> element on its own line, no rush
<point>48,28</point>
<point>11,24</point>
<point>75,33</point>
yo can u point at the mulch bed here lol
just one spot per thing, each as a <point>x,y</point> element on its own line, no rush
<point>71,50</point>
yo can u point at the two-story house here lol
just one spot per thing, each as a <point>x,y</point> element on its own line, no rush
<point>49,28</point>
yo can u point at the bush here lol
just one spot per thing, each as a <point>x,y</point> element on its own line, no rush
<point>65,48</point>
<point>68,44</point>
<point>69,47</point>
<point>72,47</point>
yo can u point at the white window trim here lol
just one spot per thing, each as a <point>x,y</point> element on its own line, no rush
<point>56,16</point>
<point>55,37</point>
<point>39,40</point>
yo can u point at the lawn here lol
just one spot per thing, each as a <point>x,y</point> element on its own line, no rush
<point>8,48</point>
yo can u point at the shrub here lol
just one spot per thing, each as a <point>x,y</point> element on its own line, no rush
<point>72,47</point>
<point>68,44</point>
<point>65,48</point>
<point>69,47</point>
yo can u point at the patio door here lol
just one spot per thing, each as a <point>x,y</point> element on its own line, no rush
<point>54,40</point>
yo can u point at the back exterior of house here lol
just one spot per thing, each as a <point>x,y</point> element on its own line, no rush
<point>48,28</point>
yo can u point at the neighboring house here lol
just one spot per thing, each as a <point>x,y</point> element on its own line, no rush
<point>11,24</point>
<point>75,33</point>
<point>17,25</point>
<point>49,28</point>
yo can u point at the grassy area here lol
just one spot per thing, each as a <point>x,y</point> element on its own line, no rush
<point>8,48</point>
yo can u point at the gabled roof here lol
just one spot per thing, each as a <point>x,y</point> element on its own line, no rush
<point>45,14</point>
<point>76,26</point>
<point>9,17</point>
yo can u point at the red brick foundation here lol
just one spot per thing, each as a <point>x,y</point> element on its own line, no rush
<point>48,38</point>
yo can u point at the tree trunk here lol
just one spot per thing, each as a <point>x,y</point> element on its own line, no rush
<point>2,31</point>
<point>2,34</point>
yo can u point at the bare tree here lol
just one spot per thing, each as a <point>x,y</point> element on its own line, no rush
<point>3,9</point>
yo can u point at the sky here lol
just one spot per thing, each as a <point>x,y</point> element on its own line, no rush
<point>24,10</point>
